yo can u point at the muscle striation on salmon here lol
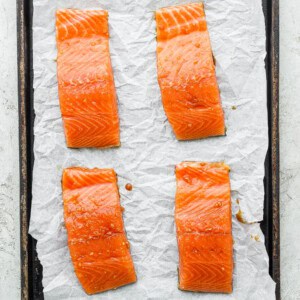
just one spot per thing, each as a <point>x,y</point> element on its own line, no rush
<point>86,86</point>
<point>96,236</point>
<point>186,73</point>
<point>203,225</point>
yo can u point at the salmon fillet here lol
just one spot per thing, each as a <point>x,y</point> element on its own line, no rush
<point>186,73</point>
<point>203,225</point>
<point>96,236</point>
<point>86,86</point>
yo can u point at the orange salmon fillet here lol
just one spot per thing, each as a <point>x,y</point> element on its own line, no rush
<point>86,86</point>
<point>186,73</point>
<point>203,225</point>
<point>96,236</point>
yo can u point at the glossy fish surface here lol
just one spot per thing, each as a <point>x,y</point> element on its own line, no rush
<point>99,249</point>
<point>186,73</point>
<point>203,225</point>
<point>86,86</point>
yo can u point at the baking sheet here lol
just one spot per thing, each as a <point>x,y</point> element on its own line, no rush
<point>149,150</point>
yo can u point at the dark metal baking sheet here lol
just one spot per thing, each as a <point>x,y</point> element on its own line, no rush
<point>31,269</point>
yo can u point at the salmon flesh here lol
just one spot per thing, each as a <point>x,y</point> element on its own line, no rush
<point>203,225</point>
<point>186,73</point>
<point>96,236</point>
<point>86,86</point>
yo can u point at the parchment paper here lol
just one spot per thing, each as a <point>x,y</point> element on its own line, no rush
<point>149,149</point>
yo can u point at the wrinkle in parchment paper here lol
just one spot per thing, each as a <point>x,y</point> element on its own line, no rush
<point>150,151</point>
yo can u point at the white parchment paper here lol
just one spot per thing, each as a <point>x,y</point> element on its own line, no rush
<point>149,149</point>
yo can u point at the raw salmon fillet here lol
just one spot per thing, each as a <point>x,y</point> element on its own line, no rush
<point>203,225</point>
<point>186,73</point>
<point>86,86</point>
<point>96,236</point>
